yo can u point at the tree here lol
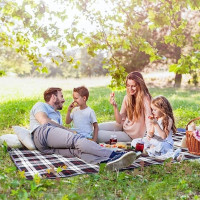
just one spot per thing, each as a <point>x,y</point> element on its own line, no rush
<point>128,28</point>
<point>23,29</point>
<point>124,32</point>
<point>87,65</point>
<point>11,61</point>
<point>188,61</point>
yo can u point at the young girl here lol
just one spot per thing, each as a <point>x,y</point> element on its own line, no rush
<point>159,139</point>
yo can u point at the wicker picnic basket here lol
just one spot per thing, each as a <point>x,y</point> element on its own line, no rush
<point>192,143</point>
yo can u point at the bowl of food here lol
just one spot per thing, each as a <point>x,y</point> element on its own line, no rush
<point>121,145</point>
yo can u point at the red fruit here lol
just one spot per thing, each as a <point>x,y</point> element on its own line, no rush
<point>150,117</point>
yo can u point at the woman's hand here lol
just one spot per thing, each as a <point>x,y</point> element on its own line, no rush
<point>112,99</point>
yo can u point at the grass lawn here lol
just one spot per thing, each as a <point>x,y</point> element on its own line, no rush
<point>169,181</point>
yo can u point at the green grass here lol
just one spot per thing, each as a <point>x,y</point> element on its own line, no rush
<point>168,181</point>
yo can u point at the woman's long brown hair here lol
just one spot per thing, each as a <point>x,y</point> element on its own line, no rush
<point>164,106</point>
<point>135,104</point>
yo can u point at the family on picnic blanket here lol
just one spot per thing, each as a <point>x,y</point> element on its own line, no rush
<point>141,118</point>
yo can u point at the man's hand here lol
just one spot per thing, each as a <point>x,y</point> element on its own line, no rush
<point>42,118</point>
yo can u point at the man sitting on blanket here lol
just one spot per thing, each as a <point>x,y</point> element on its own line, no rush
<point>50,136</point>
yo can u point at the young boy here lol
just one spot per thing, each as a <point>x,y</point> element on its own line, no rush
<point>83,117</point>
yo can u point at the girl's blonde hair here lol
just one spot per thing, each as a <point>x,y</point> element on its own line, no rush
<point>164,106</point>
<point>135,104</point>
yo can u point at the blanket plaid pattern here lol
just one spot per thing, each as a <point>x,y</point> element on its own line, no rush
<point>146,160</point>
<point>46,165</point>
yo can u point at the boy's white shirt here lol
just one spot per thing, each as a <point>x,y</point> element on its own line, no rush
<point>83,121</point>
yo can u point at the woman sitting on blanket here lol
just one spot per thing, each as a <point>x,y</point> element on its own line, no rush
<point>159,140</point>
<point>132,120</point>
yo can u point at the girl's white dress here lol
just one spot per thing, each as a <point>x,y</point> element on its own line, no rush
<point>161,146</point>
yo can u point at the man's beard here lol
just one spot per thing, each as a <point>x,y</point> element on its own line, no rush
<point>58,104</point>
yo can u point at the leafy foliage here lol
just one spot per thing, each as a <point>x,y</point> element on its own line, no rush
<point>130,33</point>
<point>11,61</point>
<point>23,28</point>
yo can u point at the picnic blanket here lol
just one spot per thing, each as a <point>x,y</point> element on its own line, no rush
<point>49,165</point>
<point>56,166</point>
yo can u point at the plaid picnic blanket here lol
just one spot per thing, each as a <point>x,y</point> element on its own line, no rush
<point>49,165</point>
<point>56,166</point>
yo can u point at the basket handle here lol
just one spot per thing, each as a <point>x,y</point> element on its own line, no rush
<point>191,122</point>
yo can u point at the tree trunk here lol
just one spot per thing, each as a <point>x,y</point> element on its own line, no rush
<point>177,53</point>
<point>178,78</point>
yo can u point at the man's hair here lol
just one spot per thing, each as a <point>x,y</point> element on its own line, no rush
<point>49,92</point>
<point>82,91</point>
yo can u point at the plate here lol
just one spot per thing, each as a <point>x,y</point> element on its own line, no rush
<point>115,147</point>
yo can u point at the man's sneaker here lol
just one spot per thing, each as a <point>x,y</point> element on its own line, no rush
<point>121,161</point>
